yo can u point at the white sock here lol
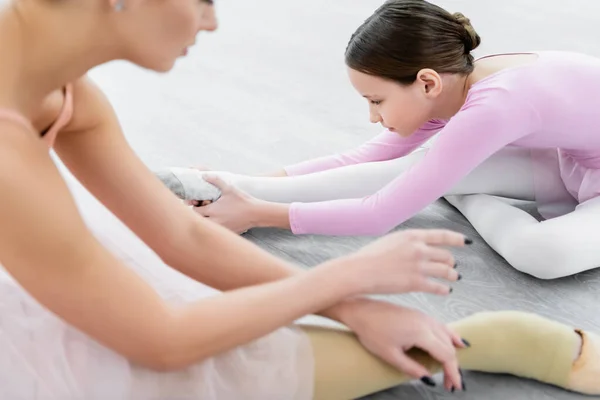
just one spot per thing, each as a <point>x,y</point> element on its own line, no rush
<point>188,184</point>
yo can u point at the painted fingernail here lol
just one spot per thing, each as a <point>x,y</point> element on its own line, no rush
<point>428,381</point>
<point>468,241</point>
<point>462,379</point>
<point>459,277</point>
<point>453,389</point>
<point>455,265</point>
<point>466,342</point>
<point>451,290</point>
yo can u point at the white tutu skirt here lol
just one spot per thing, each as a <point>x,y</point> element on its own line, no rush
<point>43,358</point>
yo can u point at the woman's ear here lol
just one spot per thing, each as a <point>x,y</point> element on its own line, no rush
<point>430,82</point>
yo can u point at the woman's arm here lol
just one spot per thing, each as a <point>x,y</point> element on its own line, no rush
<point>46,247</point>
<point>96,152</point>
<point>94,149</point>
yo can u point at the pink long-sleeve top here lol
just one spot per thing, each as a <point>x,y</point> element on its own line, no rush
<point>551,102</point>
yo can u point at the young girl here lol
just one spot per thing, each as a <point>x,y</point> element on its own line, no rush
<point>520,126</point>
<point>90,309</point>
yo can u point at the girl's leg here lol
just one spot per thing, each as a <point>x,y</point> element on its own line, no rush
<point>510,342</point>
<point>550,249</point>
<point>507,173</point>
<point>345,182</point>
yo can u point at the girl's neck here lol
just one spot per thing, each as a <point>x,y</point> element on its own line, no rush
<point>454,94</point>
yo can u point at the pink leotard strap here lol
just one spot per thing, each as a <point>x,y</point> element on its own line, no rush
<point>63,118</point>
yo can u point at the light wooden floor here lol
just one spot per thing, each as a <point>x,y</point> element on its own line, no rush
<point>269,88</point>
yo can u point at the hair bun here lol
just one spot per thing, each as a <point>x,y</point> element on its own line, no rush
<point>470,38</point>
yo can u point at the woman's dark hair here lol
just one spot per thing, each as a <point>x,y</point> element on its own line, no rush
<point>404,36</point>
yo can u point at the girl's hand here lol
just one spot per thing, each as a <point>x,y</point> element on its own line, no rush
<point>234,210</point>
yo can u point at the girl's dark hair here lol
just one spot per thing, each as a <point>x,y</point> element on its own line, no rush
<point>404,36</point>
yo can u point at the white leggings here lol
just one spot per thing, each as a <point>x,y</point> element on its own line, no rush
<point>549,249</point>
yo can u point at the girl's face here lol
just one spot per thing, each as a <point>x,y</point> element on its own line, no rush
<point>157,32</point>
<point>402,109</point>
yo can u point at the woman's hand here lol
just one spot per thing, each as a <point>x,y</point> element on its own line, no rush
<point>389,331</point>
<point>405,261</point>
<point>235,210</point>
<point>402,262</point>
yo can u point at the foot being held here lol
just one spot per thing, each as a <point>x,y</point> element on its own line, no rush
<point>188,184</point>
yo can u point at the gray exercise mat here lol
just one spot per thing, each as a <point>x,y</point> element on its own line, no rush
<point>489,283</point>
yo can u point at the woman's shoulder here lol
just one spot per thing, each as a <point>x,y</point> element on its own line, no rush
<point>91,107</point>
<point>50,111</point>
<point>71,107</point>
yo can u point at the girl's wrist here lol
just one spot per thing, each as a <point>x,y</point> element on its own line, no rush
<point>267,214</point>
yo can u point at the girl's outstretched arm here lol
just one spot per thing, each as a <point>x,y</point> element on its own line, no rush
<point>385,146</point>
<point>491,120</point>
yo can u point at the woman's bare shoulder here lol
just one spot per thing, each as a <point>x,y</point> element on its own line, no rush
<point>90,106</point>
